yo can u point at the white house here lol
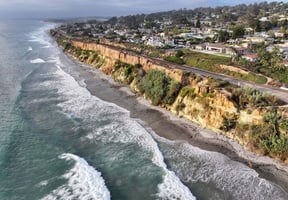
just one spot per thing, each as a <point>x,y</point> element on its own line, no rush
<point>155,42</point>
<point>251,57</point>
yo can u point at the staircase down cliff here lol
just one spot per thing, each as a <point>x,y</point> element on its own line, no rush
<point>256,120</point>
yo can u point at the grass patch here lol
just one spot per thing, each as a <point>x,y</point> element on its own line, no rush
<point>212,62</point>
<point>174,59</point>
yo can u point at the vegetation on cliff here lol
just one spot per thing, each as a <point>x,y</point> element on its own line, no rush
<point>158,87</point>
<point>87,56</point>
<point>269,136</point>
<point>254,119</point>
<point>213,63</point>
<point>177,58</point>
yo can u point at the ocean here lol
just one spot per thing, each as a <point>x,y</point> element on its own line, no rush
<point>58,141</point>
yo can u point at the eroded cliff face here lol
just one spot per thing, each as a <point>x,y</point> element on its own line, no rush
<point>112,55</point>
<point>197,100</point>
<point>207,108</point>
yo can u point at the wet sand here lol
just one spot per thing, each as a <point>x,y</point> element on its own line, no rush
<point>169,126</point>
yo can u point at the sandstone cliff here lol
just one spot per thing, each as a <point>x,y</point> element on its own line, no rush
<point>244,115</point>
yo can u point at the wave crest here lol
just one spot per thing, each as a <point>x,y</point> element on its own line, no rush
<point>37,60</point>
<point>84,182</point>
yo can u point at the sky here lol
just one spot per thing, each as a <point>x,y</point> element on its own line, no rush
<point>85,8</point>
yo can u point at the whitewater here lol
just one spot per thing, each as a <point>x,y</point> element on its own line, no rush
<point>60,141</point>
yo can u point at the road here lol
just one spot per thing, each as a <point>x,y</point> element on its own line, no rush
<point>280,93</point>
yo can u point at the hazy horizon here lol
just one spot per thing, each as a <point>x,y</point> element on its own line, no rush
<point>108,8</point>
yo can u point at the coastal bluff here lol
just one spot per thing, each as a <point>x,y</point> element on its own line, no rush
<point>222,105</point>
<point>114,53</point>
<point>243,114</point>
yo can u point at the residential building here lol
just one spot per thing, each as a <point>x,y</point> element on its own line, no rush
<point>251,57</point>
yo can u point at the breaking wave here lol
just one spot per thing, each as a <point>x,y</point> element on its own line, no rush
<point>84,182</point>
<point>37,60</point>
<point>79,103</point>
<point>41,37</point>
<point>194,165</point>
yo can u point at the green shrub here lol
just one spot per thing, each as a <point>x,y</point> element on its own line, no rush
<point>155,85</point>
<point>248,97</point>
<point>179,53</point>
<point>180,106</point>
<point>269,137</point>
<point>173,90</point>
<point>284,124</point>
<point>128,70</point>
<point>217,83</point>
<point>188,91</point>
<point>228,124</point>
<point>159,88</point>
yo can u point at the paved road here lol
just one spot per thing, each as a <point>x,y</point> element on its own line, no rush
<point>280,93</point>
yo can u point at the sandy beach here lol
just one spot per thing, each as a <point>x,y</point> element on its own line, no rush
<point>168,125</point>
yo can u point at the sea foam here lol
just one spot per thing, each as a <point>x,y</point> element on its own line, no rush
<point>194,165</point>
<point>80,103</point>
<point>84,182</point>
<point>122,129</point>
<point>40,36</point>
<point>37,60</point>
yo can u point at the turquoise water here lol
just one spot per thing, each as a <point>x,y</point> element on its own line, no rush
<point>57,141</point>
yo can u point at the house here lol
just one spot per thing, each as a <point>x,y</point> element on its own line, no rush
<point>155,41</point>
<point>264,19</point>
<point>242,50</point>
<point>279,34</point>
<point>186,35</point>
<point>199,47</point>
<point>255,39</point>
<point>170,42</point>
<point>234,41</point>
<point>220,48</point>
<point>195,30</point>
<point>217,48</point>
<point>251,57</point>
<point>283,48</point>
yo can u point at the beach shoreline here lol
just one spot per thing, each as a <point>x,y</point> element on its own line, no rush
<point>167,125</point>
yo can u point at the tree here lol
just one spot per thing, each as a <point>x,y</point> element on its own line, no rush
<point>264,56</point>
<point>271,33</point>
<point>255,24</point>
<point>238,31</point>
<point>271,60</point>
<point>198,24</point>
<point>223,36</point>
<point>179,53</point>
<point>236,55</point>
<point>275,60</point>
<point>265,26</point>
